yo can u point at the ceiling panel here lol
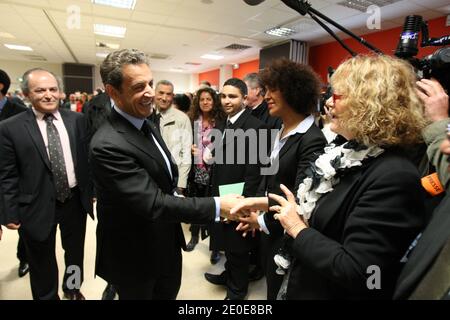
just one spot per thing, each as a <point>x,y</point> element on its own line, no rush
<point>184,29</point>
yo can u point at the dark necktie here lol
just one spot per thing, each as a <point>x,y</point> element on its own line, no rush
<point>57,160</point>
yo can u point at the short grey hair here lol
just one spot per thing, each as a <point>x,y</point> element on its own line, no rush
<point>164,83</point>
<point>111,67</point>
<point>255,81</point>
<point>26,80</point>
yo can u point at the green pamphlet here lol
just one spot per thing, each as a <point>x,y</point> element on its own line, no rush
<point>234,188</point>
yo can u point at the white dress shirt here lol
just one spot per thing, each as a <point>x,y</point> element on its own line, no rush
<point>302,127</point>
<point>65,142</point>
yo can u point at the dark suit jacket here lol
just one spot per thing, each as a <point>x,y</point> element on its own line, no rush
<point>262,113</point>
<point>97,110</point>
<point>25,171</point>
<point>428,248</point>
<point>229,172</point>
<point>11,108</point>
<point>369,219</point>
<point>138,231</point>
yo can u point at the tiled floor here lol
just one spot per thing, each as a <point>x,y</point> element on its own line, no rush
<point>193,287</point>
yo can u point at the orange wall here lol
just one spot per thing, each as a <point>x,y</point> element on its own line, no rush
<point>246,68</point>
<point>332,54</point>
<point>212,76</point>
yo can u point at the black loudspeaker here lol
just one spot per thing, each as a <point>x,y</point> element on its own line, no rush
<point>292,49</point>
<point>78,77</point>
<point>268,54</point>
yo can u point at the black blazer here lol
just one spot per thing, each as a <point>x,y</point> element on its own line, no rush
<point>138,231</point>
<point>97,110</point>
<point>25,171</point>
<point>296,156</point>
<point>369,219</point>
<point>11,108</point>
<point>262,113</point>
<point>428,248</point>
<point>225,237</point>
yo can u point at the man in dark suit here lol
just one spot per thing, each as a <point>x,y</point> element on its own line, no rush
<point>139,238</point>
<point>426,274</point>
<point>45,178</point>
<point>9,108</point>
<point>256,103</point>
<point>229,169</point>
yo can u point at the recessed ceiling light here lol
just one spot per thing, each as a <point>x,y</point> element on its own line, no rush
<point>113,46</point>
<point>122,4</point>
<point>211,57</point>
<point>6,35</point>
<point>280,32</point>
<point>110,31</point>
<point>16,47</point>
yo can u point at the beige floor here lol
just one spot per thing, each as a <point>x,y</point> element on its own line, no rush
<point>193,287</point>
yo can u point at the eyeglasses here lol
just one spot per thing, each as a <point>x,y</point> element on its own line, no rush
<point>336,97</point>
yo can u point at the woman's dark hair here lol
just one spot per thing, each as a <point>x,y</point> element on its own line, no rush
<point>298,84</point>
<point>182,101</point>
<point>217,112</point>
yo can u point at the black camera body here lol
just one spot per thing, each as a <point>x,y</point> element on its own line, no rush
<point>436,65</point>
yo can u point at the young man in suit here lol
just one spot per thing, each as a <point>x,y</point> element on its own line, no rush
<point>229,169</point>
<point>9,108</point>
<point>139,237</point>
<point>45,178</point>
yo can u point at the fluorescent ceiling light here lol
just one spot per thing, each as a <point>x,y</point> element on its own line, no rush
<point>280,32</point>
<point>6,35</point>
<point>16,47</point>
<point>102,54</point>
<point>110,31</point>
<point>122,4</point>
<point>176,70</point>
<point>211,57</point>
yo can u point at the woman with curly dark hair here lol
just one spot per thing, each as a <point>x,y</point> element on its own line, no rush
<point>292,92</point>
<point>205,113</point>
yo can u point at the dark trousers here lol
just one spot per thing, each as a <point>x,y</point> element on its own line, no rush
<point>198,190</point>
<point>163,287</point>
<point>21,255</point>
<point>236,268</point>
<point>41,254</point>
<point>269,248</point>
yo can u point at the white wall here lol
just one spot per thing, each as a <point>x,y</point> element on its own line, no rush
<point>181,81</point>
<point>16,69</point>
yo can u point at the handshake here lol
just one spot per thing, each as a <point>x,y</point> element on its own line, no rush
<point>243,210</point>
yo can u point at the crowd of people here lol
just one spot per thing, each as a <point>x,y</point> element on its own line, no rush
<point>353,208</point>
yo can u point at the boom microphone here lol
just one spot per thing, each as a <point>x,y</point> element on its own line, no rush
<point>253,2</point>
<point>409,39</point>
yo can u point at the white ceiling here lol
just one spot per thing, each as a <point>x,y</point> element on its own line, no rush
<point>182,29</point>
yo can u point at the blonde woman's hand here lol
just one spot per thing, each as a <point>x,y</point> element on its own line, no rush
<point>287,212</point>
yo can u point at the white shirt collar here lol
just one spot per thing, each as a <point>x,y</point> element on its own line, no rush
<point>234,118</point>
<point>302,127</point>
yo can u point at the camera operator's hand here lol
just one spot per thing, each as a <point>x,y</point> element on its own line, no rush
<point>435,99</point>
